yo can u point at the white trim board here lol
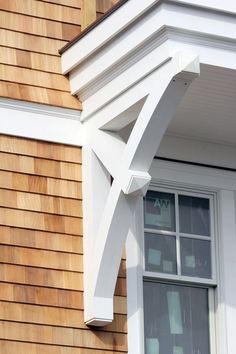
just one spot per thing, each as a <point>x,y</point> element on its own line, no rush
<point>128,14</point>
<point>41,122</point>
<point>228,6</point>
<point>192,149</point>
<point>102,76</point>
<point>193,176</point>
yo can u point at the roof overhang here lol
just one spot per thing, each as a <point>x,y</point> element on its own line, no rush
<point>135,34</point>
<point>134,67</point>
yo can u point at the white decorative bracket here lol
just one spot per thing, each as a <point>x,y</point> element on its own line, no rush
<point>109,208</point>
<point>126,70</point>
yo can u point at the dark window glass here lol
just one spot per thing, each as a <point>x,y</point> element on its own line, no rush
<point>175,319</point>
<point>194,217</point>
<point>160,253</point>
<point>195,257</point>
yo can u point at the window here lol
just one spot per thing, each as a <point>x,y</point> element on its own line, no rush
<point>179,271</point>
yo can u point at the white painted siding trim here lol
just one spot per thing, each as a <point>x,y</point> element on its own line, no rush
<point>41,122</point>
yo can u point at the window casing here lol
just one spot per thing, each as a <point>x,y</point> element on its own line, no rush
<point>179,270</point>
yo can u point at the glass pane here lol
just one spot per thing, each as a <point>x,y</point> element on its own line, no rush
<point>195,257</point>
<point>159,211</point>
<point>175,319</point>
<point>160,253</point>
<point>194,217</point>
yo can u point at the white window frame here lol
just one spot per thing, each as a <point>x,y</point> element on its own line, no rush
<point>180,280</point>
<point>168,188</point>
<point>221,184</point>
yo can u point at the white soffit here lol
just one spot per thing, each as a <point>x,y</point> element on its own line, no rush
<point>208,110</point>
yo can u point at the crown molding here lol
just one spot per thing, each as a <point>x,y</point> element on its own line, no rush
<point>173,25</point>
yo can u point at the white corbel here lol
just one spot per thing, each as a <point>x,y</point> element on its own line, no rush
<point>109,207</point>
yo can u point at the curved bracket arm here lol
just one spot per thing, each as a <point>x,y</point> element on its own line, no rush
<point>103,248</point>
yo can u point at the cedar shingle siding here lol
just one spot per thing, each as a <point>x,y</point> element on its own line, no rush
<point>32,32</point>
<point>41,255</point>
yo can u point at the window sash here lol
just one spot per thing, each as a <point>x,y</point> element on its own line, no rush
<point>187,192</point>
<point>174,306</point>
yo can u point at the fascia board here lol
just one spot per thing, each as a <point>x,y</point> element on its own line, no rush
<point>199,20</point>
<point>192,175</point>
<point>211,50</point>
<point>227,6</point>
<point>105,92</point>
<point>214,153</point>
<point>123,50</point>
<point>176,14</point>
<point>135,81</point>
<point>209,29</point>
<point>209,55</point>
<point>103,33</point>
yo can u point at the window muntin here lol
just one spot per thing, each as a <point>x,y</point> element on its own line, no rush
<point>180,250</point>
<point>178,234</point>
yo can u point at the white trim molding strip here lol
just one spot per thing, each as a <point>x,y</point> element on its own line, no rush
<point>41,122</point>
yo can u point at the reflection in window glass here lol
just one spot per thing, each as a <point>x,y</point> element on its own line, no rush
<point>175,319</point>
<point>160,253</point>
<point>194,217</point>
<point>159,211</point>
<point>195,257</point>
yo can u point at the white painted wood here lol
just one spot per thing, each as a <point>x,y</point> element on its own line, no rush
<point>104,32</point>
<point>228,266</point>
<point>134,273</point>
<point>125,80</point>
<point>113,80</point>
<point>210,51</point>
<point>115,107</point>
<point>120,54</point>
<point>40,122</point>
<point>199,151</point>
<point>137,71</point>
<point>95,187</point>
<point>123,119</point>
<point>194,19</point>
<point>193,175</point>
<point>109,156</point>
<point>127,67</point>
<point>223,313</point>
<point>131,179</point>
<point>112,232</point>
<point>169,26</point>
<point>134,282</point>
<point>147,133</point>
<point>215,5</point>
